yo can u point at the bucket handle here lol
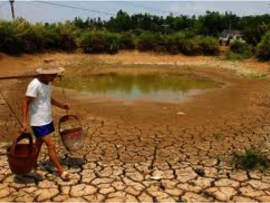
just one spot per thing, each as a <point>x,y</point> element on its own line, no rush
<point>19,138</point>
<point>66,118</point>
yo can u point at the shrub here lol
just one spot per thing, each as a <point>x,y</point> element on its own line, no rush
<point>146,42</point>
<point>172,45</point>
<point>263,48</point>
<point>10,42</point>
<point>239,50</point>
<point>112,43</point>
<point>249,159</point>
<point>101,42</point>
<point>178,40</point>
<point>67,37</point>
<point>240,47</point>
<point>209,45</point>
<point>192,47</point>
<point>127,41</point>
<point>94,43</point>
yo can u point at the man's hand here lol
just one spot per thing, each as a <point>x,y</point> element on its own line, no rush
<point>24,127</point>
<point>66,106</point>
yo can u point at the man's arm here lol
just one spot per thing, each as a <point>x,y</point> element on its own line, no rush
<point>58,104</point>
<point>25,106</point>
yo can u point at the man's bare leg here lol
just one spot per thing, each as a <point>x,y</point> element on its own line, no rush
<point>39,142</point>
<point>52,153</point>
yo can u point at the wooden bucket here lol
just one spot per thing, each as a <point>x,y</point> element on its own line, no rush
<point>22,157</point>
<point>72,137</point>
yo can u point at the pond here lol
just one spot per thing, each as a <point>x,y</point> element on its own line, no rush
<point>156,87</point>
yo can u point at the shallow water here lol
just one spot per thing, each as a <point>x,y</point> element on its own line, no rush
<point>157,87</point>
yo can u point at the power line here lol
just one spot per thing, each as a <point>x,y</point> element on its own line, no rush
<point>145,7</point>
<point>74,7</point>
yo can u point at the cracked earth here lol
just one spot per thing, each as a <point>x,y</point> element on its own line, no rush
<point>146,151</point>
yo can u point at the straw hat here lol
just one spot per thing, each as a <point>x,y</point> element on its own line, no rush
<point>50,70</point>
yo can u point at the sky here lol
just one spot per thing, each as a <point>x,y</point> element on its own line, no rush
<point>60,11</point>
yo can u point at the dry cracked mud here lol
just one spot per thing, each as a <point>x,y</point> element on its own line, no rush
<point>146,151</point>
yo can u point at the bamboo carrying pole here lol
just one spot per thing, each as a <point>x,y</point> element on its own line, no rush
<point>20,77</point>
<point>17,77</point>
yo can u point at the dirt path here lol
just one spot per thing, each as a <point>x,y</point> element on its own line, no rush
<point>129,143</point>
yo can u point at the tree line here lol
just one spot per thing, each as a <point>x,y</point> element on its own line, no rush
<point>191,35</point>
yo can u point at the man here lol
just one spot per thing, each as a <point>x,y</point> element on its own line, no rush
<point>37,103</point>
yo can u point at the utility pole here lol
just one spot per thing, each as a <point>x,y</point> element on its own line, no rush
<point>12,8</point>
<point>165,28</point>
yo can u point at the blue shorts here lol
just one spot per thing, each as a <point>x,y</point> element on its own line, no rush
<point>44,130</point>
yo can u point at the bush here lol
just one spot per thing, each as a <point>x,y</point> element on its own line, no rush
<point>171,46</point>
<point>146,42</point>
<point>127,41</point>
<point>239,50</point>
<point>240,47</point>
<point>251,158</point>
<point>94,43</point>
<point>10,42</point>
<point>67,37</point>
<point>192,47</point>
<point>101,42</point>
<point>112,43</point>
<point>209,45</point>
<point>177,40</point>
<point>263,48</point>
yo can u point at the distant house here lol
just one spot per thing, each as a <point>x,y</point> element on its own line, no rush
<point>227,36</point>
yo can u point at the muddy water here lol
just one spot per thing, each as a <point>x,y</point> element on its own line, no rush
<point>156,87</point>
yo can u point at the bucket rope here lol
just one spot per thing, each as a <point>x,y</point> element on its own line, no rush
<point>64,93</point>
<point>9,106</point>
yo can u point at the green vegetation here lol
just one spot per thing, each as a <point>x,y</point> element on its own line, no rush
<point>190,35</point>
<point>239,50</point>
<point>263,48</point>
<point>251,158</point>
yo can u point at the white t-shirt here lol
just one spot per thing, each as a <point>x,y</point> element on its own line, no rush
<point>40,111</point>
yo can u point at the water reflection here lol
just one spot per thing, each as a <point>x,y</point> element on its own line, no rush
<point>140,86</point>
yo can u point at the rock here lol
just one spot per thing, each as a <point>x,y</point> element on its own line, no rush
<point>95,198</point>
<point>185,174</point>
<point>263,198</point>
<point>174,192</point>
<point>250,192</point>
<point>259,185</point>
<point>82,190</point>
<point>118,185</point>
<point>239,176</point>
<point>243,199</point>
<point>98,181</point>
<point>203,182</point>
<point>227,183</point>
<point>76,199</point>
<point>105,191</point>
<point>135,176</point>
<point>130,198</point>
<point>210,162</point>
<point>130,190</point>
<point>145,198</point>
<point>222,193</point>
<point>46,194</point>
<point>193,197</point>
<point>60,198</point>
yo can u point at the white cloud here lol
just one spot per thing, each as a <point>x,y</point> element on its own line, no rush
<point>240,7</point>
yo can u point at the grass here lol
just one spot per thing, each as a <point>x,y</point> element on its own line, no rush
<point>230,56</point>
<point>251,158</point>
<point>218,135</point>
<point>180,200</point>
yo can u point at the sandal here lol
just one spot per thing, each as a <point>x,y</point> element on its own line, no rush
<point>65,176</point>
